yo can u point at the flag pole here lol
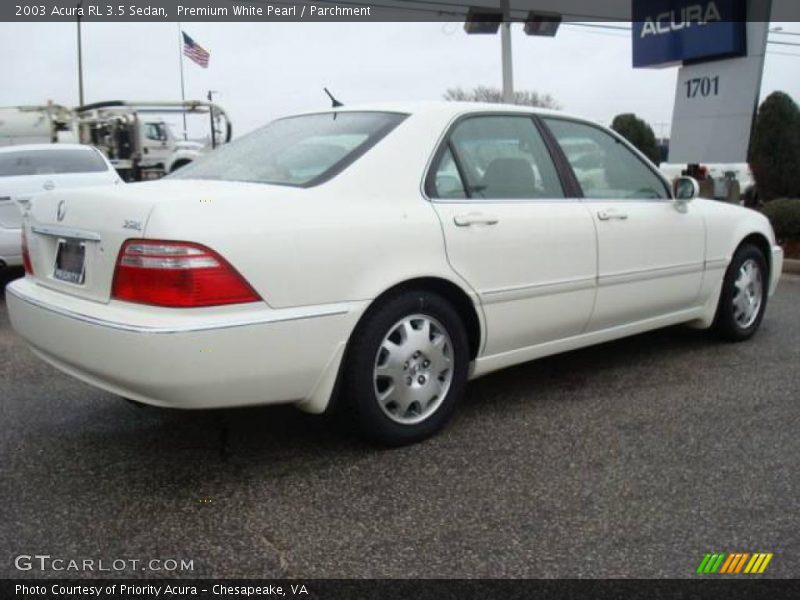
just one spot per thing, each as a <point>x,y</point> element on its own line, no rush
<point>183,89</point>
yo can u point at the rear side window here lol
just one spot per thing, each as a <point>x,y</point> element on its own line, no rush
<point>606,169</point>
<point>297,151</point>
<point>499,158</point>
<point>50,162</point>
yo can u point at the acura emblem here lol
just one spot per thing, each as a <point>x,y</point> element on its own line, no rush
<point>62,210</point>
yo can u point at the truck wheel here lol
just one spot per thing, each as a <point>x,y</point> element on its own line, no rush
<point>178,164</point>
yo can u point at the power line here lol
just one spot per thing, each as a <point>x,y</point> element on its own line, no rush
<point>783,43</point>
<point>783,53</point>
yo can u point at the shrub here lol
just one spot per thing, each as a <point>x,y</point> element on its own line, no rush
<point>785,218</point>
<point>774,155</point>
<point>638,133</point>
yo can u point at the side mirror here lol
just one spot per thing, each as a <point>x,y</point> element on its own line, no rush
<point>686,189</point>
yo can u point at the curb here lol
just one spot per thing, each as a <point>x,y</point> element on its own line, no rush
<point>791,266</point>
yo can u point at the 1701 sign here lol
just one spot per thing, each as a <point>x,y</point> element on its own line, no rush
<point>702,86</point>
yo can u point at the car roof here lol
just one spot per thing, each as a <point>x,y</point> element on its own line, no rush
<point>441,108</point>
<point>38,147</point>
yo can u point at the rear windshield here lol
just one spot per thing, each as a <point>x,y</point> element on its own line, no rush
<point>50,162</point>
<point>297,151</point>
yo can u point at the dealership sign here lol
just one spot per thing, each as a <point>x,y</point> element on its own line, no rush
<point>667,32</point>
<point>720,45</point>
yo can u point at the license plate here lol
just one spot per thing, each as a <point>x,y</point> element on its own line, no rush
<point>70,258</point>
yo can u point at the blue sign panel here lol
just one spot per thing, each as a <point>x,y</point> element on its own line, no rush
<point>673,31</point>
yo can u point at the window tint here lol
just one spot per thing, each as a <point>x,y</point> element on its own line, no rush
<point>447,180</point>
<point>604,167</point>
<point>295,151</point>
<point>503,157</point>
<point>50,162</point>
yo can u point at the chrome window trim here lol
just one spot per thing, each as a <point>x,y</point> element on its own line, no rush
<point>635,151</point>
<point>443,141</point>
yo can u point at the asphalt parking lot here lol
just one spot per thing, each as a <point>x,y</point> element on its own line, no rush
<point>630,459</point>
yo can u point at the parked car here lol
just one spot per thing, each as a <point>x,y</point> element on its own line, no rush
<point>30,169</point>
<point>413,247</point>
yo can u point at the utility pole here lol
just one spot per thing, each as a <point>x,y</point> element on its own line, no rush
<point>505,44</point>
<point>80,58</point>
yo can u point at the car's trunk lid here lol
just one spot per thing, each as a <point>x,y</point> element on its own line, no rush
<point>93,223</point>
<point>74,236</point>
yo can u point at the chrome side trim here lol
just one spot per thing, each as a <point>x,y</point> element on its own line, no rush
<point>172,329</point>
<point>585,283</point>
<point>716,263</point>
<point>536,290</point>
<point>65,232</point>
<point>647,274</point>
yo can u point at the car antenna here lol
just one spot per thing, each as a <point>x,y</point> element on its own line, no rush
<point>334,102</point>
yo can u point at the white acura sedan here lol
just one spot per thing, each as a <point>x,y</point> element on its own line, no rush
<point>28,169</point>
<point>377,258</point>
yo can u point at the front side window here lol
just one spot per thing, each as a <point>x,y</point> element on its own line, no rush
<point>155,131</point>
<point>296,151</point>
<point>606,169</point>
<point>501,157</point>
<point>50,162</point>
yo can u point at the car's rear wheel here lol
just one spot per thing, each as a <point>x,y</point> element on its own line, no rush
<point>744,295</point>
<point>406,368</point>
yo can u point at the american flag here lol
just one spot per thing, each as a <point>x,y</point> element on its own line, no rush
<point>195,51</point>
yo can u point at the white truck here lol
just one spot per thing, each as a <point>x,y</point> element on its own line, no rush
<point>46,124</point>
<point>133,135</point>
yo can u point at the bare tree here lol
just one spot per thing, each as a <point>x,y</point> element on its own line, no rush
<point>484,93</point>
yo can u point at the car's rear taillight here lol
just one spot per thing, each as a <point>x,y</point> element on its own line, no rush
<point>177,274</point>
<point>26,255</point>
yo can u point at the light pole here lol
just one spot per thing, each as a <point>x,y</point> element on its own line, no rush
<point>487,21</point>
<point>80,57</point>
<point>505,52</point>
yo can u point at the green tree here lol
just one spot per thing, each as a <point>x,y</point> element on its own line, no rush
<point>774,155</point>
<point>483,93</point>
<point>638,133</point>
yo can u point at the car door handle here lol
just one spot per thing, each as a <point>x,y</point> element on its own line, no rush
<point>608,215</point>
<point>475,219</point>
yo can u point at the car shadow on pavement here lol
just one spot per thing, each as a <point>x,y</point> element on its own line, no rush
<point>7,275</point>
<point>279,434</point>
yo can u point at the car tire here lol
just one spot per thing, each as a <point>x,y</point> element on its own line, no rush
<point>743,298</point>
<point>406,368</point>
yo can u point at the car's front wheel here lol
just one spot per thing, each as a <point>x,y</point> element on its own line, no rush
<point>744,295</point>
<point>406,368</point>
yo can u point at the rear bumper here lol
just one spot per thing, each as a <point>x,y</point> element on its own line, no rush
<point>203,358</point>
<point>11,247</point>
<point>776,268</point>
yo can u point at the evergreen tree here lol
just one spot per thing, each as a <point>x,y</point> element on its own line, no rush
<point>638,133</point>
<point>774,155</point>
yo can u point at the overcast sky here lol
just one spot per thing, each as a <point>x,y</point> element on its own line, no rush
<point>264,71</point>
